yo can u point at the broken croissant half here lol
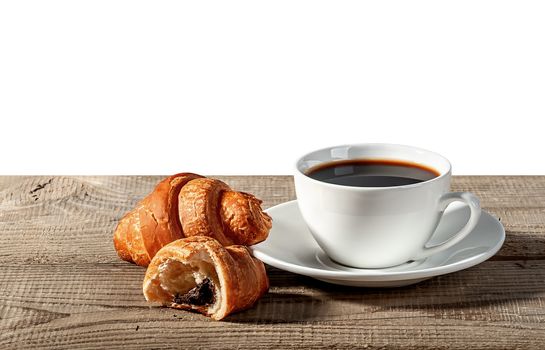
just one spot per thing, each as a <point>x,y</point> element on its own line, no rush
<point>186,205</point>
<point>199,274</point>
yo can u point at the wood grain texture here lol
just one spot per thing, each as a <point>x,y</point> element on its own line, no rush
<point>62,285</point>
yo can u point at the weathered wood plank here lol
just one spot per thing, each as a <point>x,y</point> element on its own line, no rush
<point>492,305</point>
<point>62,285</point>
<point>504,191</point>
<point>494,191</point>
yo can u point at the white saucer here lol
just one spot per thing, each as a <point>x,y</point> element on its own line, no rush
<point>291,247</point>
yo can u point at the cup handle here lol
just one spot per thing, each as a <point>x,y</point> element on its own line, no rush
<point>473,202</point>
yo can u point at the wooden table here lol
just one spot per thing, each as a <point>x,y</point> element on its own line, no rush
<point>63,286</point>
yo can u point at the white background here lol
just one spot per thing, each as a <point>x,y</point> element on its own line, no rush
<point>244,87</point>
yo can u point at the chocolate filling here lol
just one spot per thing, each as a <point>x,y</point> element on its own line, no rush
<point>201,294</point>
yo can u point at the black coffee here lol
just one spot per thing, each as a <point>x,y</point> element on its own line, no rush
<point>372,173</point>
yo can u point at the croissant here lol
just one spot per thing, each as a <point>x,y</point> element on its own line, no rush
<point>185,205</point>
<point>199,274</point>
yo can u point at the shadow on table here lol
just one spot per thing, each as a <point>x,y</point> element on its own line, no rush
<point>277,307</point>
<point>294,298</point>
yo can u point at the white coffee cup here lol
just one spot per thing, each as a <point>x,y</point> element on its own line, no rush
<point>378,227</point>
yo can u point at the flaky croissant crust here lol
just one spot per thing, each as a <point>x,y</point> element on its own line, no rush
<point>186,205</point>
